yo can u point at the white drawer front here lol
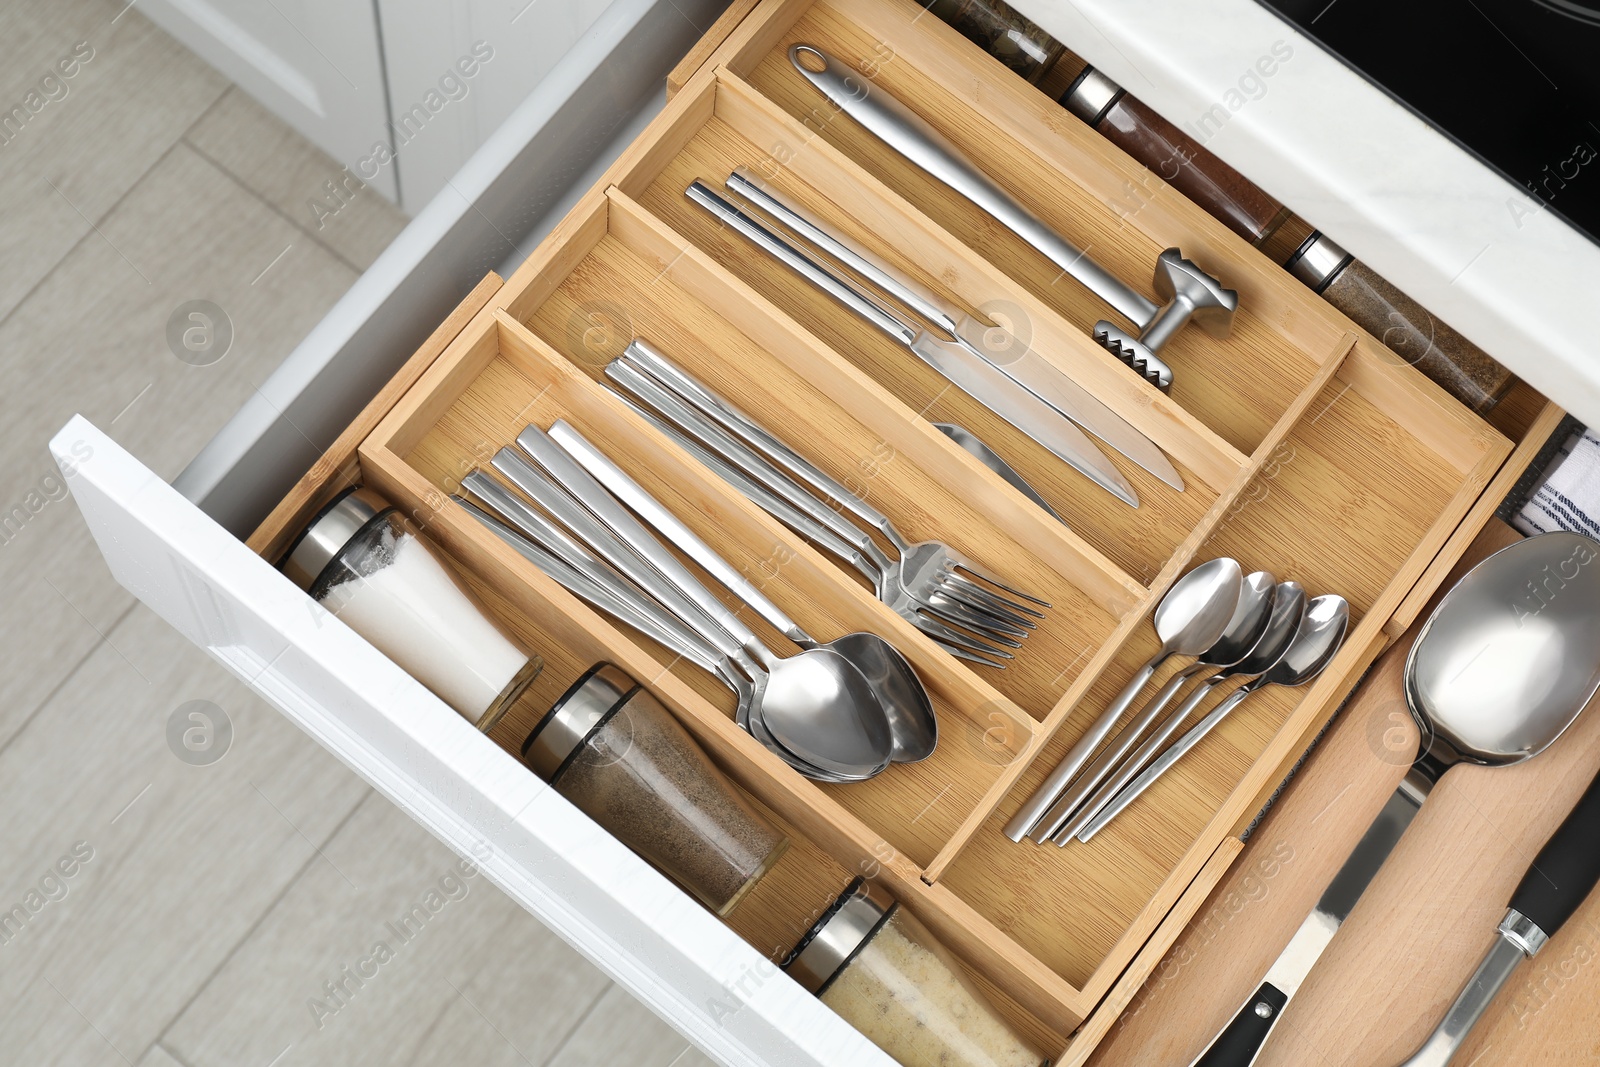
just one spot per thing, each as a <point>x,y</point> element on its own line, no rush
<point>548,856</point>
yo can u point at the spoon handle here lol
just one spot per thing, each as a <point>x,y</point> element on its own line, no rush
<point>660,572</point>
<point>585,578</point>
<point>614,479</point>
<point>689,421</point>
<point>1068,828</point>
<point>1164,762</point>
<point>568,509</point>
<point>755,436</point>
<point>1112,756</point>
<point>1034,808</point>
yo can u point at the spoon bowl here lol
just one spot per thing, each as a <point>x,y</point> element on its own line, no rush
<point>907,708</point>
<point>1511,655</point>
<point>1196,611</point>
<point>1316,641</point>
<point>1190,619</point>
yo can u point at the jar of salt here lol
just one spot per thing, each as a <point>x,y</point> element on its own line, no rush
<point>611,748</point>
<point>883,972</point>
<point>365,562</point>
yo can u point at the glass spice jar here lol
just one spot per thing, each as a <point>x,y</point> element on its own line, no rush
<point>883,972</point>
<point>365,562</point>
<point>610,748</point>
<point>998,29</point>
<point>1177,158</point>
<point>1466,371</point>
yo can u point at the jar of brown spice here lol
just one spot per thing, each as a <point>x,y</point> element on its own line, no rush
<point>611,748</point>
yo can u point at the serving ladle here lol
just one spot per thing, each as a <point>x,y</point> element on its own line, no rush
<point>1251,618</point>
<point>1501,668</point>
<point>1190,619</point>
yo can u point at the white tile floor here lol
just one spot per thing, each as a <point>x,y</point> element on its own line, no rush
<point>208,905</point>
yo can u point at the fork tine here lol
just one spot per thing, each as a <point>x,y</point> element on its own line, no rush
<point>1000,620</point>
<point>974,657</point>
<point>954,611</point>
<point>953,639</point>
<point>962,563</point>
<point>991,596</point>
<point>970,592</point>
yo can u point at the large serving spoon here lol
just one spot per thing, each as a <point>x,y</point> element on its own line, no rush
<point>1190,619</point>
<point>1267,615</point>
<point>1503,666</point>
<point>1314,641</point>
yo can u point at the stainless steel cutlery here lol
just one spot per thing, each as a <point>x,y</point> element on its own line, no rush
<point>952,598</point>
<point>1249,627</point>
<point>1314,642</point>
<point>837,711</point>
<point>1263,605</point>
<point>954,360</point>
<point>1185,290</point>
<point>1003,348</point>
<point>1191,618</point>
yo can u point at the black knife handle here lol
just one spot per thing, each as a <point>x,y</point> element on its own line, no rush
<point>1241,1039</point>
<point>1566,869</point>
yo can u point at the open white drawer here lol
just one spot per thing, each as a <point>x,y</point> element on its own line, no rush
<point>638,927</point>
<point>183,559</point>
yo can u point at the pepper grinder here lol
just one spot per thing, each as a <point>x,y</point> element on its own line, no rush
<point>1467,372</point>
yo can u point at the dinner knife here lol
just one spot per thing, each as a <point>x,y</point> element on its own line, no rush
<point>1008,352</point>
<point>955,362</point>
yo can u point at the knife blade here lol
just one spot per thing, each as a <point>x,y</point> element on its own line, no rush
<point>997,346</point>
<point>967,371</point>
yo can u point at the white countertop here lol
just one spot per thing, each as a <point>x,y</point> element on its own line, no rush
<point>1466,243</point>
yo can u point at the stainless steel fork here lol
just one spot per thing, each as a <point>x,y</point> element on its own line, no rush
<point>930,584</point>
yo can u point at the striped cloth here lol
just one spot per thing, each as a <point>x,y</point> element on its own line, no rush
<point>1569,499</point>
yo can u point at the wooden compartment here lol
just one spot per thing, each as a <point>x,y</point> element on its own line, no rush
<point>498,377</point>
<point>1308,450</point>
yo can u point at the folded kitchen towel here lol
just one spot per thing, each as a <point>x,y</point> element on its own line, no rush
<point>1569,498</point>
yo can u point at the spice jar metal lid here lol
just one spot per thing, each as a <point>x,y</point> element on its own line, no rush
<point>844,929</point>
<point>1091,96</point>
<point>1318,260</point>
<point>581,711</point>
<point>324,536</point>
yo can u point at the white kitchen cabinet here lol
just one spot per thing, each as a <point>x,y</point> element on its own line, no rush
<point>316,64</point>
<point>457,68</point>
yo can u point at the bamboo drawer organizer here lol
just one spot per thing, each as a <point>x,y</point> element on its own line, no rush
<point>1307,447</point>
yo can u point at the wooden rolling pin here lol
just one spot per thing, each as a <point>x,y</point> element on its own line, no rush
<point>1422,925</point>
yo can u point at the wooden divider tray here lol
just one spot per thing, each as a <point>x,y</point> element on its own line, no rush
<point>1309,450</point>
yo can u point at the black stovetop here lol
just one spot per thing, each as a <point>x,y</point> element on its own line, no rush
<point>1516,82</point>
